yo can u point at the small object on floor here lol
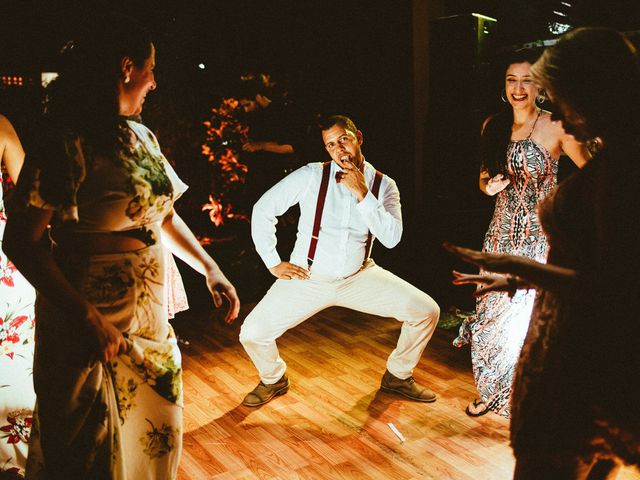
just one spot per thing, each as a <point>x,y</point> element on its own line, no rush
<point>396,431</point>
<point>182,342</point>
<point>264,393</point>
<point>407,387</point>
<point>476,403</point>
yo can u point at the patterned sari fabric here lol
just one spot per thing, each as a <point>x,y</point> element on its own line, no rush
<point>122,419</point>
<point>17,397</point>
<point>497,330</point>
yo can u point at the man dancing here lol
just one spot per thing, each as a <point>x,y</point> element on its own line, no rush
<point>344,204</point>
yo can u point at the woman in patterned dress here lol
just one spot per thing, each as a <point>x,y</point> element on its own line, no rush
<point>520,179</point>
<point>575,402</point>
<point>17,397</point>
<point>107,369</point>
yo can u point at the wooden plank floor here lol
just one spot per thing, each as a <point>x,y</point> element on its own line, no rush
<point>333,422</point>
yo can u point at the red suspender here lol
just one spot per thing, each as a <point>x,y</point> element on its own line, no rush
<point>374,190</point>
<point>322,195</point>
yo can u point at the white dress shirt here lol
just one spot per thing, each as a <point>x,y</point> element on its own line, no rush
<point>345,221</point>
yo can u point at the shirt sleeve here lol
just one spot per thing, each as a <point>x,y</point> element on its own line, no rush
<point>383,215</point>
<point>273,203</point>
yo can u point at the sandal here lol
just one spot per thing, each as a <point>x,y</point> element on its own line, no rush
<point>476,403</point>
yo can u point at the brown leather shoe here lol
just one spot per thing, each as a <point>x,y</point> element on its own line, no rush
<point>264,393</point>
<point>407,387</point>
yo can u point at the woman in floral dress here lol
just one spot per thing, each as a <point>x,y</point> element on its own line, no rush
<point>17,397</point>
<point>107,368</point>
<point>520,179</point>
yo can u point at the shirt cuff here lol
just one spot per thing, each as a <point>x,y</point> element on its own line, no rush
<point>271,259</point>
<point>368,203</point>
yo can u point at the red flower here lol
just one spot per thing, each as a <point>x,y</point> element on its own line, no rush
<point>16,322</point>
<point>18,429</point>
<point>12,437</point>
<point>13,338</point>
<point>7,279</point>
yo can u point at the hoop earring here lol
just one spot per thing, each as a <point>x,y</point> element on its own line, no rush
<point>541,98</point>
<point>594,145</point>
<point>503,95</point>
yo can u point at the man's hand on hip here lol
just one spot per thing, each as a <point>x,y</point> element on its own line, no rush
<point>289,271</point>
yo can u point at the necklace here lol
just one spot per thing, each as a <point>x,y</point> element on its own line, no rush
<point>518,127</point>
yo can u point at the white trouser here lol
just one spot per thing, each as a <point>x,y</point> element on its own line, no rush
<point>372,290</point>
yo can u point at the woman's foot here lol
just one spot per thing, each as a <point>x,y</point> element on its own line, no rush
<point>477,408</point>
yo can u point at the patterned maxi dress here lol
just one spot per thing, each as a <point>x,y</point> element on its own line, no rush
<point>497,330</point>
<point>17,397</point>
<point>122,419</point>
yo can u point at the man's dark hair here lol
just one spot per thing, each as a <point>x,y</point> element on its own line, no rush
<point>340,120</point>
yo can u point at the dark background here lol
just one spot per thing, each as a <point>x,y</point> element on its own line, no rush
<point>353,57</point>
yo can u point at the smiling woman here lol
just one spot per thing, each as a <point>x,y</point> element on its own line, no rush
<point>519,152</point>
<point>107,370</point>
<point>138,81</point>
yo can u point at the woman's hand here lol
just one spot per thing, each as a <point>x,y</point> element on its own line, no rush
<point>220,287</point>
<point>289,271</point>
<point>487,283</point>
<point>492,262</point>
<point>496,184</point>
<point>109,340</point>
<point>183,243</point>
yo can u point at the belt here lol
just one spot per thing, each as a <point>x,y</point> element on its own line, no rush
<point>95,243</point>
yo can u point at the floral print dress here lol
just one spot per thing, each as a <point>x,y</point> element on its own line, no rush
<point>497,330</point>
<point>121,419</point>
<point>17,397</point>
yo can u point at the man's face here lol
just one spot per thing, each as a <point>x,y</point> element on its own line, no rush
<point>343,145</point>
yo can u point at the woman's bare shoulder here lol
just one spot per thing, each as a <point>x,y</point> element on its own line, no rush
<point>5,124</point>
<point>547,122</point>
<point>551,129</point>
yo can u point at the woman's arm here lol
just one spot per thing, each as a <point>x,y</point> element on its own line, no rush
<point>11,152</point>
<point>273,147</point>
<point>529,273</point>
<point>575,150</point>
<point>23,244</point>
<point>182,242</point>
<point>491,185</point>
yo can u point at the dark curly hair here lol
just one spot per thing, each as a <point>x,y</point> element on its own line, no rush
<point>596,71</point>
<point>84,97</point>
<point>497,131</point>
